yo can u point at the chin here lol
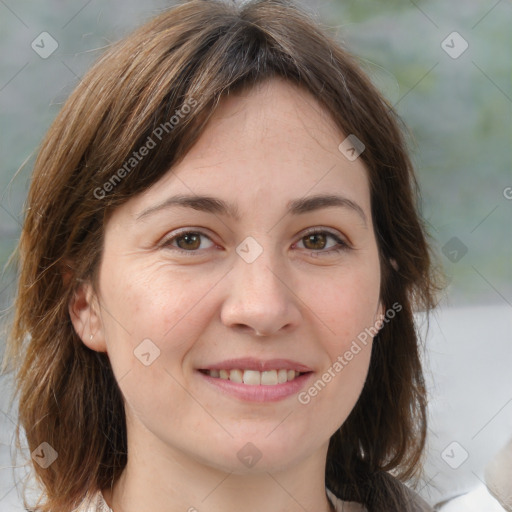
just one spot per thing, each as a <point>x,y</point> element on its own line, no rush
<point>257,456</point>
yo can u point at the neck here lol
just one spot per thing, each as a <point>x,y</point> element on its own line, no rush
<point>167,480</point>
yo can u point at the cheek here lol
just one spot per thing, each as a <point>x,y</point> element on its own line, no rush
<point>155,304</point>
<point>348,305</point>
<point>348,308</point>
<point>149,330</point>
<point>147,303</point>
<point>335,391</point>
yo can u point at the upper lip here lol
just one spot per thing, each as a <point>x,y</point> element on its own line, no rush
<point>250,363</point>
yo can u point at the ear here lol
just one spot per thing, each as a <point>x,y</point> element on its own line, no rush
<point>84,312</point>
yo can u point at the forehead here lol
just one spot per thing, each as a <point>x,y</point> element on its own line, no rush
<point>262,148</point>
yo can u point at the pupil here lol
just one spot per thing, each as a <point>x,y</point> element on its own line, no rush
<point>188,238</point>
<point>317,235</point>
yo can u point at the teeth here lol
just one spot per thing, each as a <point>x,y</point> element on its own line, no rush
<point>251,377</point>
<point>236,376</point>
<point>269,378</point>
<point>255,378</point>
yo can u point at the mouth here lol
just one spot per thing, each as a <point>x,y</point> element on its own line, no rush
<point>254,380</point>
<point>255,377</point>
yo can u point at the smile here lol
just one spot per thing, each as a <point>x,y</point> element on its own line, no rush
<point>254,377</point>
<point>256,380</point>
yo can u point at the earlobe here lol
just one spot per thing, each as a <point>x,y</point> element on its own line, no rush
<point>86,319</point>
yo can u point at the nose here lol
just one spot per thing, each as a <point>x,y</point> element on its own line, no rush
<point>261,298</point>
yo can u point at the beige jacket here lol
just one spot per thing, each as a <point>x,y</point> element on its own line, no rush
<point>97,504</point>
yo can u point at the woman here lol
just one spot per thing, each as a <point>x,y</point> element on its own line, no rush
<point>219,266</point>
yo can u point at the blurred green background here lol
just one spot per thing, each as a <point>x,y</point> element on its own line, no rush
<point>458,110</point>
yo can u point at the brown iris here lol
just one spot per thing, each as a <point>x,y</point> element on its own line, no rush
<point>316,236</point>
<point>191,238</point>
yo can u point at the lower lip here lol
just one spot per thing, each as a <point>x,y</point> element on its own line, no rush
<point>259,393</point>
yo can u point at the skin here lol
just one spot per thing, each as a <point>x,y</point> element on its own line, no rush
<point>261,149</point>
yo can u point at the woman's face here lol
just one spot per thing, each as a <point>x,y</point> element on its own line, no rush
<point>184,288</point>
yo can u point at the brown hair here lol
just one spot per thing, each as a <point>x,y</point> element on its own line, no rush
<point>201,51</point>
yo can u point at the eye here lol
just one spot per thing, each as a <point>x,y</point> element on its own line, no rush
<point>316,241</point>
<point>189,242</point>
<point>186,241</point>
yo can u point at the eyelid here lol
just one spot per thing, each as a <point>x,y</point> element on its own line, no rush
<point>320,229</point>
<point>342,241</point>
<point>183,231</point>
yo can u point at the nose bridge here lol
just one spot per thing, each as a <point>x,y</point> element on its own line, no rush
<point>259,296</point>
<point>258,268</point>
<point>260,271</point>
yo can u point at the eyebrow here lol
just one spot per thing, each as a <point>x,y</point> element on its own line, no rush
<point>220,207</point>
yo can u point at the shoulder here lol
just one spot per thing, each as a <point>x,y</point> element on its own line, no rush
<point>418,504</point>
<point>93,503</point>
<point>347,506</point>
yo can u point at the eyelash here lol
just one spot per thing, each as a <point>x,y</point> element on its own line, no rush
<point>342,245</point>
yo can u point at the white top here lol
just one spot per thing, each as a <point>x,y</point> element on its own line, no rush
<point>97,504</point>
<point>347,506</point>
